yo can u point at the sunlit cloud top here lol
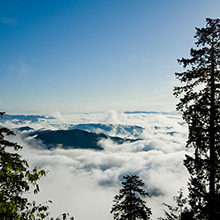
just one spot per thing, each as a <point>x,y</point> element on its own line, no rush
<point>84,182</point>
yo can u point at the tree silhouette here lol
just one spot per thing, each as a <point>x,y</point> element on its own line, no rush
<point>128,205</point>
<point>15,179</point>
<point>200,104</point>
<point>179,212</point>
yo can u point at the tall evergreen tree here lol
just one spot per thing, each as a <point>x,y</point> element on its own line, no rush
<point>128,205</point>
<point>200,104</point>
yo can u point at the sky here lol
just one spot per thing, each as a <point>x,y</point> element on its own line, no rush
<point>95,55</point>
<point>84,182</point>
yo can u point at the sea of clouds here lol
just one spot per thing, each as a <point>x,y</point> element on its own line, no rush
<point>84,182</point>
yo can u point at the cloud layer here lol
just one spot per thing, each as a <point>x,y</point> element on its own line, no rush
<point>84,182</point>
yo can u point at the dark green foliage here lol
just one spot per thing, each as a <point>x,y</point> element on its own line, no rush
<point>63,216</point>
<point>128,205</point>
<point>15,179</point>
<point>200,104</point>
<point>181,211</point>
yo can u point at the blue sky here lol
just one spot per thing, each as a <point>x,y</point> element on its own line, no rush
<point>95,55</point>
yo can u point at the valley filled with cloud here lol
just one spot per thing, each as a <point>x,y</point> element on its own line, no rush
<point>83,182</point>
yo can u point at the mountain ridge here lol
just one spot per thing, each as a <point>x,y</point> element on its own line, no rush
<point>71,139</point>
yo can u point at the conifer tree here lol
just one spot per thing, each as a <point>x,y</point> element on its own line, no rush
<point>128,205</point>
<point>200,104</point>
<point>179,212</point>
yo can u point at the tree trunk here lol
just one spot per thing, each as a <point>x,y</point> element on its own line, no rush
<point>211,202</point>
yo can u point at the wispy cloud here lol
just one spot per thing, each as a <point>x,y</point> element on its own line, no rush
<point>20,69</point>
<point>9,21</point>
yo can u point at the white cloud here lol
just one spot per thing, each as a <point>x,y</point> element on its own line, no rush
<point>9,21</point>
<point>84,182</point>
<point>113,117</point>
<point>20,69</point>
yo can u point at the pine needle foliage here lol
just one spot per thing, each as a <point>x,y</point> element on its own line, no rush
<point>179,212</point>
<point>128,204</point>
<point>200,104</point>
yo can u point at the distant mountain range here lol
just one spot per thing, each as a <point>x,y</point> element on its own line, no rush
<point>22,118</point>
<point>69,139</point>
<point>128,131</point>
<point>152,112</point>
<point>35,118</point>
<point>75,136</point>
